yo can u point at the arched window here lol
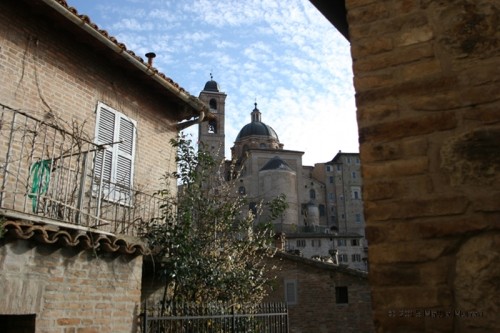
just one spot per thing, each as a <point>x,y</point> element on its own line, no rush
<point>241,190</point>
<point>213,104</point>
<point>253,207</point>
<point>212,126</point>
<point>312,194</point>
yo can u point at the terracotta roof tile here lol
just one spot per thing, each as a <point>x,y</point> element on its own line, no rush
<point>68,237</point>
<point>103,32</point>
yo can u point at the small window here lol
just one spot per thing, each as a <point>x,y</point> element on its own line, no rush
<point>262,145</point>
<point>291,292</point>
<point>252,206</point>
<point>304,209</point>
<point>356,257</point>
<point>328,168</point>
<point>331,196</point>
<point>358,218</point>
<point>316,242</point>
<point>341,295</point>
<point>357,160</point>
<point>354,175</point>
<point>354,242</point>
<point>331,179</point>
<point>301,243</point>
<point>241,190</point>
<point>356,192</point>
<point>341,242</point>
<point>348,160</point>
<point>343,258</point>
<point>312,194</point>
<point>321,208</point>
<point>213,104</point>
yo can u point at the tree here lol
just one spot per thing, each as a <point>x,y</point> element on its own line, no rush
<point>206,242</point>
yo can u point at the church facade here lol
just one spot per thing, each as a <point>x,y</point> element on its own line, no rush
<point>324,215</point>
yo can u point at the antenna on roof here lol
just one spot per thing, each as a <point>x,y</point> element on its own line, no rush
<point>211,76</point>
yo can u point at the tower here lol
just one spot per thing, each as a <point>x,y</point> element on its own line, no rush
<point>211,133</point>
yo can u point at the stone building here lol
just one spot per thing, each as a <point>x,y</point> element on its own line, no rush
<point>324,217</point>
<point>81,119</point>
<point>344,207</point>
<point>427,95</point>
<point>322,297</point>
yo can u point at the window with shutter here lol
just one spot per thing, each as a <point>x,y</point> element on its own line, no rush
<point>113,168</point>
<point>291,292</point>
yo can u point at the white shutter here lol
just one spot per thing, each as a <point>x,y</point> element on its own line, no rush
<point>113,127</point>
<point>105,131</point>
<point>125,153</point>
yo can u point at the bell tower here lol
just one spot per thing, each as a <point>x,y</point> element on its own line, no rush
<point>211,133</point>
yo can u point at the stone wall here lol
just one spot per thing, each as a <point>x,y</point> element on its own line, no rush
<point>70,291</point>
<point>315,309</point>
<point>426,75</point>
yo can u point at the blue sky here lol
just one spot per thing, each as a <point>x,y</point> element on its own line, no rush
<point>283,54</point>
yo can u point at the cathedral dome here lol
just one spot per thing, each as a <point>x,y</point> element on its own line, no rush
<point>257,127</point>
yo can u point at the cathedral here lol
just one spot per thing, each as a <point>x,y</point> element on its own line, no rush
<point>324,217</point>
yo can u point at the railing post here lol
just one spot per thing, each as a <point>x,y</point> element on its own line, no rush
<point>145,318</point>
<point>81,191</point>
<point>233,320</point>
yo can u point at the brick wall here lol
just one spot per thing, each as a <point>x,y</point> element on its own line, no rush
<point>70,291</point>
<point>48,74</point>
<point>426,75</point>
<point>316,309</point>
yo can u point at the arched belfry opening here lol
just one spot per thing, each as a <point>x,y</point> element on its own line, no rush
<point>213,104</point>
<point>212,126</point>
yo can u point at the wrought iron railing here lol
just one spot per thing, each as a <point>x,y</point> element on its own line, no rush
<point>47,172</point>
<point>215,318</point>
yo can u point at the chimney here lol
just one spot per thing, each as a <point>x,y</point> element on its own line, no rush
<point>150,56</point>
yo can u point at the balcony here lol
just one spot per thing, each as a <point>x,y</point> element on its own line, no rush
<point>295,229</point>
<point>47,176</point>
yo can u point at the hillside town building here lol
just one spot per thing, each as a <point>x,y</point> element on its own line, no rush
<point>324,218</point>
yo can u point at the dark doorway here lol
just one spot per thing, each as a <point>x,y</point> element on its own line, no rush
<point>18,323</point>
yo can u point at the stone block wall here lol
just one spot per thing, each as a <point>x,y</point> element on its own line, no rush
<point>427,80</point>
<point>70,291</point>
<point>315,309</point>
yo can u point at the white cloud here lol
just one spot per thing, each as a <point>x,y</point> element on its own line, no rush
<point>285,54</point>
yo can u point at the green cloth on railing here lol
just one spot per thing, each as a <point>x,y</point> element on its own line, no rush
<point>40,173</point>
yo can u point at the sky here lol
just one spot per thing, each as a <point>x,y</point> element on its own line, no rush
<point>284,55</point>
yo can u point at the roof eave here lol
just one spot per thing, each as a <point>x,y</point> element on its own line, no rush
<point>197,106</point>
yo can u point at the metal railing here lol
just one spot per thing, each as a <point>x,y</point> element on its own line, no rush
<point>216,318</point>
<point>48,172</point>
<point>294,229</point>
